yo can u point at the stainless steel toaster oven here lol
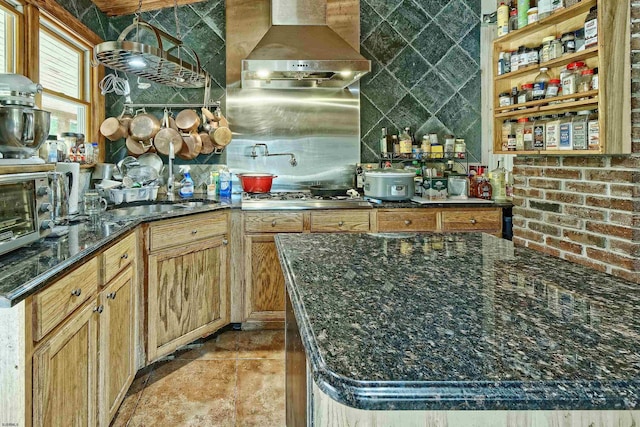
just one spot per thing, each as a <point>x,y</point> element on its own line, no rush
<point>25,209</point>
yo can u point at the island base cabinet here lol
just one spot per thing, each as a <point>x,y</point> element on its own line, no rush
<point>188,295</point>
<point>117,345</point>
<point>64,374</point>
<point>264,283</point>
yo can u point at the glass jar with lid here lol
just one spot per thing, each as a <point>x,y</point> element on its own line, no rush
<point>553,88</point>
<point>525,94</point>
<point>555,51</point>
<point>568,43</point>
<point>546,47</point>
<point>584,84</point>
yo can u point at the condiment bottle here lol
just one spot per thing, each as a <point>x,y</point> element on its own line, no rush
<point>426,146</point>
<point>513,19</point>
<point>552,138</point>
<point>525,94</point>
<point>523,9</point>
<point>591,28</point>
<point>405,141</point>
<point>585,81</point>
<point>460,148</point>
<point>520,133</point>
<point>540,84</point>
<point>528,135</point>
<point>508,128</point>
<point>553,88</point>
<point>449,145</point>
<point>498,183</point>
<point>593,131</point>
<point>503,19</point>
<point>580,130</point>
<point>383,141</point>
<point>566,132</point>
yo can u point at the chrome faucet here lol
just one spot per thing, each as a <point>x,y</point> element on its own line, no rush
<point>293,162</point>
<point>170,180</point>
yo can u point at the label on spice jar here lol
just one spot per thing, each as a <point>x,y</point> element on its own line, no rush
<point>591,33</point>
<point>539,89</point>
<point>538,137</point>
<point>553,135</point>
<point>565,136</point>
<point>594,134</point>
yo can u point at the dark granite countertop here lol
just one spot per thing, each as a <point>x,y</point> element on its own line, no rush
<point>473,203</point>
<point>439,322</point>
<point>31,268</point>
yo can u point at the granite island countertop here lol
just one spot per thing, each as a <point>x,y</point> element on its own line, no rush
<point>31,268</point>
<point>460,321</point>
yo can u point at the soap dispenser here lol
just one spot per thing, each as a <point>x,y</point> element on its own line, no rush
<point>186,187</point>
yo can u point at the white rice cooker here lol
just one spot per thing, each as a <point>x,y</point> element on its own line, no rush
<point>389,184</point>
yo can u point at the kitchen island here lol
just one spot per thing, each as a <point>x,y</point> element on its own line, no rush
<point>407,329</point>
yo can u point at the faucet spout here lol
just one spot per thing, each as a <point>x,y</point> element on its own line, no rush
<point>170,179</point>
<point>254,152</point>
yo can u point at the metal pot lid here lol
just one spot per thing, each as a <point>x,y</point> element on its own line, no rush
<point>390,173</point>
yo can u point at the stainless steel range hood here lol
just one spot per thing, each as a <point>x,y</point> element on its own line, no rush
<point>301,51</point>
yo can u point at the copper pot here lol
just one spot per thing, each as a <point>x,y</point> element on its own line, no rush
<point>166,136</point>
<point>188,120</point>
<point>191,147</point>
<point>113,129</point>
<point>136,148</point>
<point>221,134</point>
<point>144,127</point>
<point>207,144</point>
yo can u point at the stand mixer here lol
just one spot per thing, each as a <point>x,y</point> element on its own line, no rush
<point>23,128</point>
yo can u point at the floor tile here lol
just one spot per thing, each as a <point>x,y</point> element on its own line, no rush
<point>261,344</point>
<point>224,346</point>
<point>260,395</point>
<point>188,393</point>
<point>131,399</point>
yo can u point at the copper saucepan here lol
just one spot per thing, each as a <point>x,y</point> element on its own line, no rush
<point>166,136</point>
<point>144,126</point>
<point>188,120</point>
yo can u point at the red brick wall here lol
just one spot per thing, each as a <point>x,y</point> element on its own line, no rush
<point>585,209</point>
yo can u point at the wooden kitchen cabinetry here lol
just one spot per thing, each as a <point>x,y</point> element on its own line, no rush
<point>84,362</point>
<point>188,288</point>
<point>611,56</point>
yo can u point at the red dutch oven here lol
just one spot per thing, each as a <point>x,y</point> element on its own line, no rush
<point>256,182</point>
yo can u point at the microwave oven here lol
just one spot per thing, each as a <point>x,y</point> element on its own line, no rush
<point>25,209</point>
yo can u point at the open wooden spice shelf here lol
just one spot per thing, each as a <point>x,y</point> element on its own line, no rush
<point>592,52</point>
<point>543,105</point>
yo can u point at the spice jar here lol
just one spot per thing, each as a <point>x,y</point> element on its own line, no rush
<point>540,84</point>
<point>508,129</point>
<point>525,94</point>
<point>546,47</point>
<point>520,128</point>
<point>585,81</point>
<point>460,148</point>
<point>70,141</point>
<point>568,43</point>
<point>595,82</point>
<point>553,88</point>
<point>556,49</point>
<point>570,77</point>
<point>591,28</point>
<point>532,56</point>
<point>504,99</point>
<point>532,15</point>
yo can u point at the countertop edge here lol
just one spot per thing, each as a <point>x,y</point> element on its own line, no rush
<point>39,282</point>
<point>451,395</point>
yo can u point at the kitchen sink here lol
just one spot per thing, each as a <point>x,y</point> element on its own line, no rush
<point>142,210</point>
<point>191,205</point>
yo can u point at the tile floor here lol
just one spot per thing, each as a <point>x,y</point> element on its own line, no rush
<point>235,379</point>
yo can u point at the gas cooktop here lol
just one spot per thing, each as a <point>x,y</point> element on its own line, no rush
<point>299,200</point>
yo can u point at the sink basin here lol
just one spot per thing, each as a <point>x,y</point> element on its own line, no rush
<point>131,211</point>
<point>191,204</point>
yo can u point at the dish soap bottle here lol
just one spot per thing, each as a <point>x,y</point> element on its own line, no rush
<point>186,188</point>
<point>225,183</point>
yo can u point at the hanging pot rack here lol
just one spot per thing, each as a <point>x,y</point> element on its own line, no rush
<point>153,63</point>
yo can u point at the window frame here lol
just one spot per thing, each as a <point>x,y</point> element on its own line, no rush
<point>17,47</point>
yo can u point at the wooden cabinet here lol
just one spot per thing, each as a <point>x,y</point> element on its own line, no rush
<point>335,221</point>
<point>64,373</point>
<point>420,219</point>
<point>116,368</point>
<point>117,257</point>
<point>611,56</point>
<point>486,220</point>
<point>187,283</point>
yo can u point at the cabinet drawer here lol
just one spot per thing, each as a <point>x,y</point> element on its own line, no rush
<point>404,220</point>
<point>342,220</point>
<point>117,257</point>
<point>472,220</point>
<point>273,222</point>
<point>185,230</point>
<point>52,305</point>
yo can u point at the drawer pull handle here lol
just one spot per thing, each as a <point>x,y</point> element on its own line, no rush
<point>407,222</point>
<point>194,232</point>
<point>99,309</point>
<point>341,223</point>
<point>225,242</point>
<point>111,295</point>
<point>273,223</point>
<point>124,256</point>
<point>473,221</point>
<point>76,292</point>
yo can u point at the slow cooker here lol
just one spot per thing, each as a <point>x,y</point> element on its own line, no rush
<point>389,184</point>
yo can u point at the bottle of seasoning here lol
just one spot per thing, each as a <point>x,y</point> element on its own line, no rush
<point>533,57</point>
<point>539,132</point>
<point>568,43</point>
<point>512,142</point>
<point>523,9</point>
<point>498,183</point>
<point>527,135</point>
<point>532,15</point>
<point>508,129</point>
<point>449,146</point>
<point>515,60</point>
<point>504,99</point>
<point>540,84</point>
<point>585,81</point>
<point>405,141</point>
<point>437,150</point>
<point>383,142</point>
<point>546,47</point>
<point>525,94</point>
<point>591,28</point>
<point>460,149</point>
<point>483,188</point>
<point>426,146</point>
<point>503,19</point>
<point>566,132</point>
<point>395,144</point>
<point>569,77</point>
<point>70,141</point>
<point>552,138</point>
<point>556,49</point>
<point>501,64</point>
<point>593,131</point>
<point>513,19</point>
<point>595,82</point>
<point>579,132</point>
<point>544,8</point>
<point>523,57</point>
<point>520,129</point>
<point>553,88</point>
<point>514,95</point>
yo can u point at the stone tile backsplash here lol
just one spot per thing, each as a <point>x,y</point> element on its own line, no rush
<point>425,65</point>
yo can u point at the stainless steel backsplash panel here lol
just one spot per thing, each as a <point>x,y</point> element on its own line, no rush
<point>321,127</point>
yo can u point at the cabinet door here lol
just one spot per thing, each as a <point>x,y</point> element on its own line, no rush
<point>116,344</point>
<point>264,281</point>
<point>64,373</point>
<point>188,295</point>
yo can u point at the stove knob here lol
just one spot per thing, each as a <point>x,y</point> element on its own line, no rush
<point>42,191</point>
<point>45,207</point>
<point>47,224</point>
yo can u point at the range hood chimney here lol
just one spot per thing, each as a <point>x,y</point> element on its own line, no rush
<point>300,50</point>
